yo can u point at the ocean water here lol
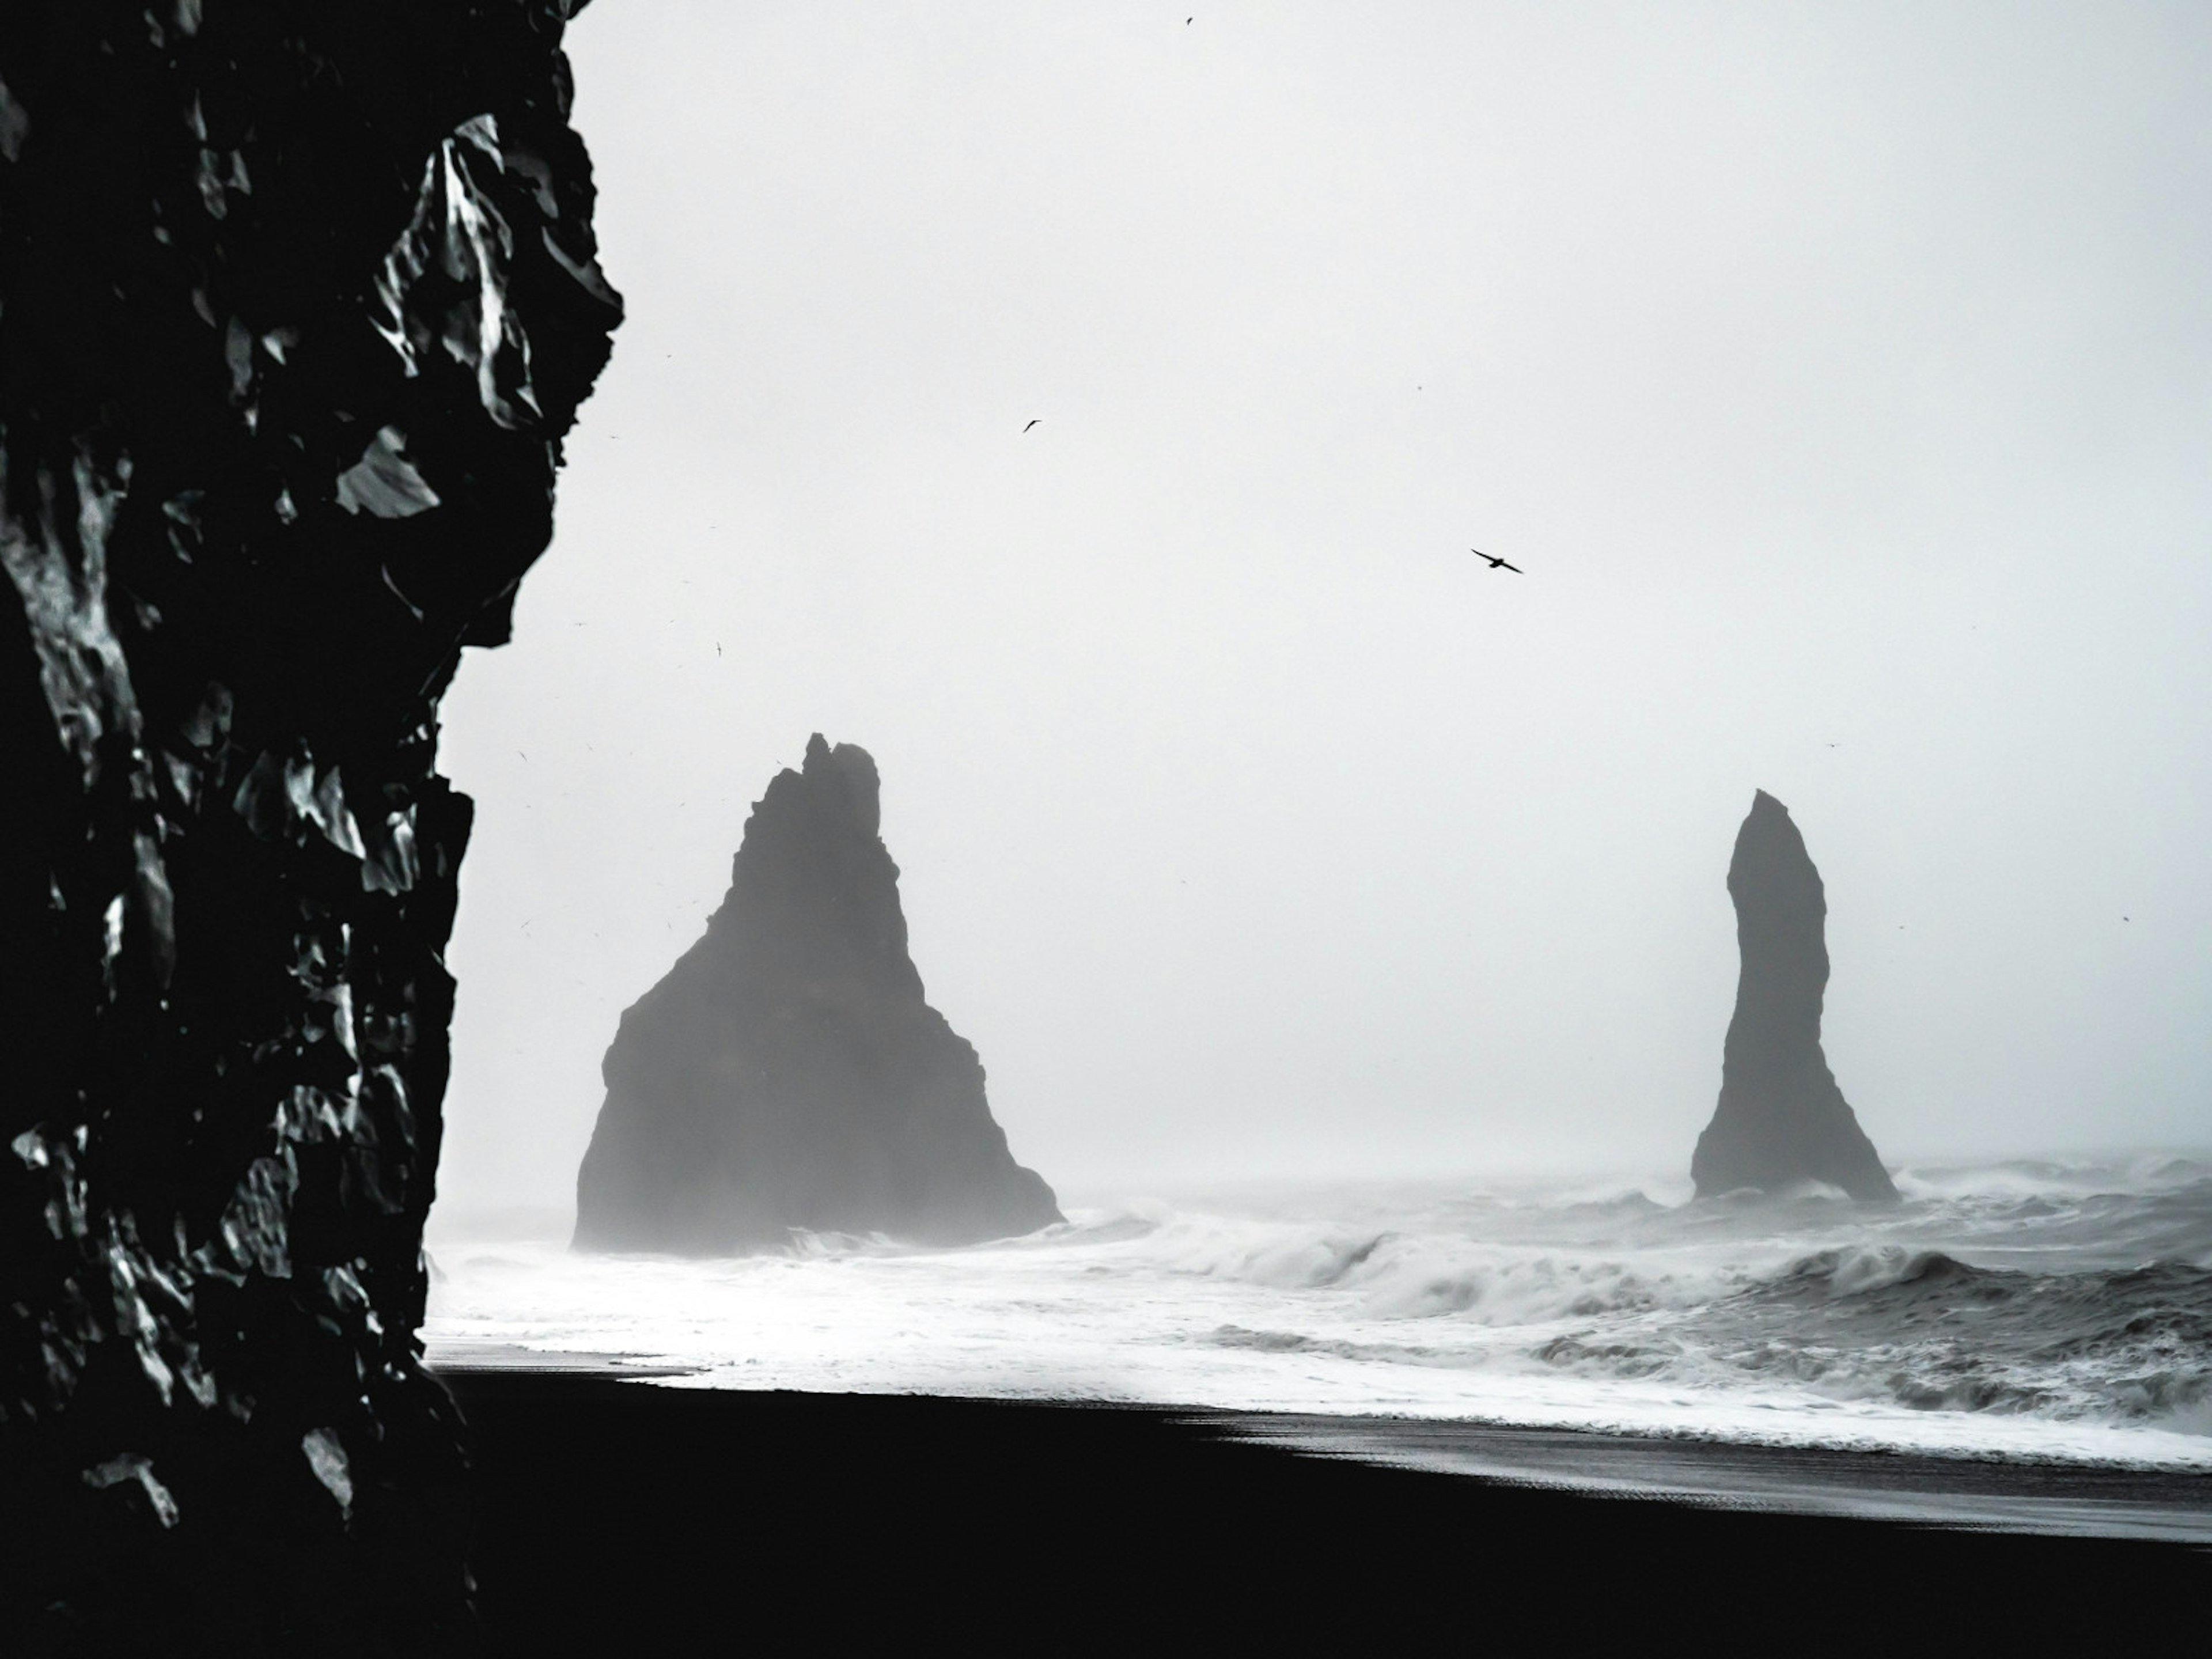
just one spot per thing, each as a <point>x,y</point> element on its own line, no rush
<point>2055,1312</point>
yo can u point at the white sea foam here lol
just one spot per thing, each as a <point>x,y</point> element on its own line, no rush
<point>2055,1311</point>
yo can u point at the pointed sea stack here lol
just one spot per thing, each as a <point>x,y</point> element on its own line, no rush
<point>1781,1117</point>
<point>787,1073</point>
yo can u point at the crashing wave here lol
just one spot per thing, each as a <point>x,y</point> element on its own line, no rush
<point>2051,1311</point>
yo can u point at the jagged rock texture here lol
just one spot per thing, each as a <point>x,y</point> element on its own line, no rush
<point>1781,1117</point>
<point>296,301</point>
<point>787,1073</point>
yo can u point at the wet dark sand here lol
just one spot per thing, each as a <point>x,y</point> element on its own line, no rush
<point>619,1516</point>
<point>2061,1500</point>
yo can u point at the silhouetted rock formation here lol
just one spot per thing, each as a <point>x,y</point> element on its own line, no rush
<point>786,1073</point>
<point>295,304</point>
<point>1781,1116</point>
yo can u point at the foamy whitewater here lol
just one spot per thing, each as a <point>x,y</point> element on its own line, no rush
<point>2052,1311</point>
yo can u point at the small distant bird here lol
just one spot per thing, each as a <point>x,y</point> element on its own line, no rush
<point>718,647</point>
<point>1033,422</point>
<point>1496,564</point>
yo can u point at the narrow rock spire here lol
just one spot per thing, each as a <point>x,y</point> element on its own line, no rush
<point>1781,1117</point>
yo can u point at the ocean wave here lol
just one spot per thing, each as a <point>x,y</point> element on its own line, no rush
<point>1910,1325</point>
<point>1828,1274</point>
<point>1236,1336</point>
<point>2134,1176</point>
<point>2015,1306</point>
<point>1923,1330</point>
<point>1404,1275</point>
<point>1284,1257</point>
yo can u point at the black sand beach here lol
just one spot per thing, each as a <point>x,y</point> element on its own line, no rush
<point>618,1516</point>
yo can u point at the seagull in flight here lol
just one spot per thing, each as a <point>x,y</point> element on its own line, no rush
<point>1496,564</point>
<point>1033,422</point>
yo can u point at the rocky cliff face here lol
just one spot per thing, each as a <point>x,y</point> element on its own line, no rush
<point>1781,1116</point>
<point>787,1073</point>
<point>296,302</point>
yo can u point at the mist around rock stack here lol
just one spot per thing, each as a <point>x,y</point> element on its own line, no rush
<point>1781,1117</point>
<point>787,1072</point>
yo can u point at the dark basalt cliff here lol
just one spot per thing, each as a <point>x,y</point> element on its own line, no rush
<point>1781,1117</point>
<point>296,301</point>
<point>787,1073</point>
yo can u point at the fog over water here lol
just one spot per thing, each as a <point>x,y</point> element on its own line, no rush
<point>1841,377</point>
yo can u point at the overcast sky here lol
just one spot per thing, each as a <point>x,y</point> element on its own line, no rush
<point>1839,374</point>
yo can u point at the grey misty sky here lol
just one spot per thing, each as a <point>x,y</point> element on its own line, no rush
<point>1840,374</point>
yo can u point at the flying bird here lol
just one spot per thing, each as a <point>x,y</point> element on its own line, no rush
<point>1496,564</point>
<point>1033,422</point>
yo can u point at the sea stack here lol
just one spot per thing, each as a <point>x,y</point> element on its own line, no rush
<point>787,1073</point>
<point>1781,1117</point>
